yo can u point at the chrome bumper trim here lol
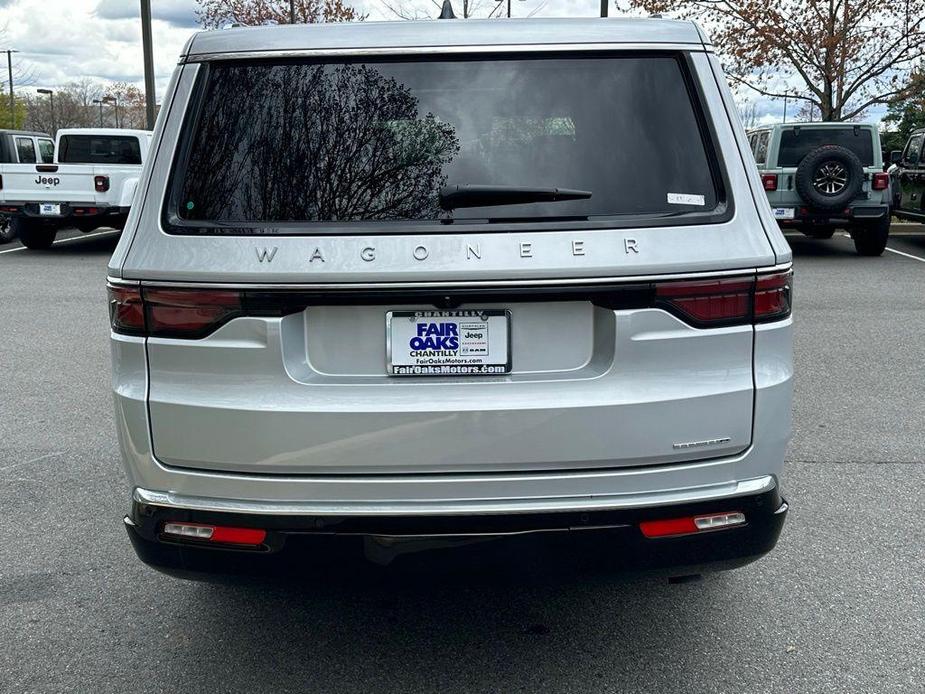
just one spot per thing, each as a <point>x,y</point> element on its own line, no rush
<point>758,485</point>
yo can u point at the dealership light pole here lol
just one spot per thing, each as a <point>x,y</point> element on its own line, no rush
<point>51,97</point>
<point>292,11</point>
<point>100,102</point>
<point>604,7</point>
<point>149,62</point>
<point>9,67</point>
<point>114,100</point>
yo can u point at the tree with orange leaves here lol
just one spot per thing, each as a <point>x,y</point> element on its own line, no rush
<point>844,55</point>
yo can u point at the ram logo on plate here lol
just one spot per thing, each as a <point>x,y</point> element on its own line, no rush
<point>448,343</point>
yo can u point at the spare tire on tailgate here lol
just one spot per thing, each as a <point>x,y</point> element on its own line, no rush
<point>829,177</point>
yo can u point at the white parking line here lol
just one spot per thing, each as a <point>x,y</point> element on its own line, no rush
<point>72,238</point>
<point>907,255</point>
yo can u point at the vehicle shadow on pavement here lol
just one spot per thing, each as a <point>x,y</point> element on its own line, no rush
<point>102,245</point>
<point>836,247</point>
<point>96,245</point>
<point>488,619</point>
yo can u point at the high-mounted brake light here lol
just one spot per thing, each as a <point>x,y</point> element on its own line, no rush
<point>880,181</point>
<point>672,527</point>
<point>216,533</point>
<point>769,181</point>
<point>101,183</point>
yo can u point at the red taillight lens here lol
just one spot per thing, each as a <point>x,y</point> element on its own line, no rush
<point>126,312</point>
<point>181,313</point>
<point>769,181</point>
<point>727,301</point>
<point>101,183</point>
<point>708,302</point>
<point>880,181</point>
<point>773,296</point>
<point>216,533</point>
<point>188,313</point>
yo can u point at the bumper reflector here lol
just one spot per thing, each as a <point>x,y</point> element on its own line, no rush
<point>216,533</point>
<point>692,524</point>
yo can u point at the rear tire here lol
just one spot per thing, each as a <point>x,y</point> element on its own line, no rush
<point>870,239</point>
<point>7,233</point>
<point>34,235</point>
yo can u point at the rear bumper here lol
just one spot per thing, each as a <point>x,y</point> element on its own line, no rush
<point>804,216</point>
<point>299,542</point>
<point>69,211</point>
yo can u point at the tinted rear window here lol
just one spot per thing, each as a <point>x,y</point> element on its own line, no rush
<point>99,149</point>
<point>797,143</point>
<point>367,142</point>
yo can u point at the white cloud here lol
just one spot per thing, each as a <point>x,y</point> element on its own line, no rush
<point>100,39</point>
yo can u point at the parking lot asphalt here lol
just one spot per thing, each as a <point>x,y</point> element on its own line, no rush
<point>839,606</point>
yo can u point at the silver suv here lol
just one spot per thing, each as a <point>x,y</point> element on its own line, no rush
<point>451,279</point>
<point>823,176</point>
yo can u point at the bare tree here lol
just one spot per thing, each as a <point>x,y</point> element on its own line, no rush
<point>213,14</point>
<point>847,55</point>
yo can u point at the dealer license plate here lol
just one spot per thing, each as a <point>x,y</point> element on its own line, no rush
<point>783,212</point>
<point>49,209</point>
<point>448,343</point>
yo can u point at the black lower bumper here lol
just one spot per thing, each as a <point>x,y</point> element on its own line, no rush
<point>300,545</point>
<point>859,214</point>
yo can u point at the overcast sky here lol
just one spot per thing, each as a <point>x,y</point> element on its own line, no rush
<point>65,40</point>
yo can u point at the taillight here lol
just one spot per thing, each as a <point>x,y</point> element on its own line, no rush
<point>880,181</point>
<point>126,312</point>
<point>188,313</point>
<point>769,181</point>
<point>101,183</point>
<point>714,301</point>
<point>711,303</point>
<point>773,296</point>
<point>180,313</point>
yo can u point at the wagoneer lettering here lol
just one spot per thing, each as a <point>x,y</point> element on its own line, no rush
<point>448,329</point>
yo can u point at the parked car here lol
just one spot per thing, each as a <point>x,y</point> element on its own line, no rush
<point>22,147</point>
<point>90,184</point>
<point>908,177</point>
<point>461,310</point>
<point>822,176</point>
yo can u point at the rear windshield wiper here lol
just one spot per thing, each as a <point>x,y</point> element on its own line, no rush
<point>453,197</point>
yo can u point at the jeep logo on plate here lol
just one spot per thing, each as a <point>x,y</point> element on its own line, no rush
<point>47,180</point>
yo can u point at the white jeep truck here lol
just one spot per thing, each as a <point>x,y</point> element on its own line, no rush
<point>90,184</point>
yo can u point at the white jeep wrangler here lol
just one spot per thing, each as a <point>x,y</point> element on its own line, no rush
<point>90,184</point>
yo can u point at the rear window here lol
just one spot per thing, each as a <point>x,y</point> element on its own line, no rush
<point>99,149</point>
<point>798,142</point>
<point>25,150</point>
<point>375,142</point>
<point>47,150</point>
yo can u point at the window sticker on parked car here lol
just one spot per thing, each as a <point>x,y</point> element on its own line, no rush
<point>685,199</point>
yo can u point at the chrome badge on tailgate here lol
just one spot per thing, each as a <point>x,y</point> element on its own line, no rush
<point>448,343</point>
